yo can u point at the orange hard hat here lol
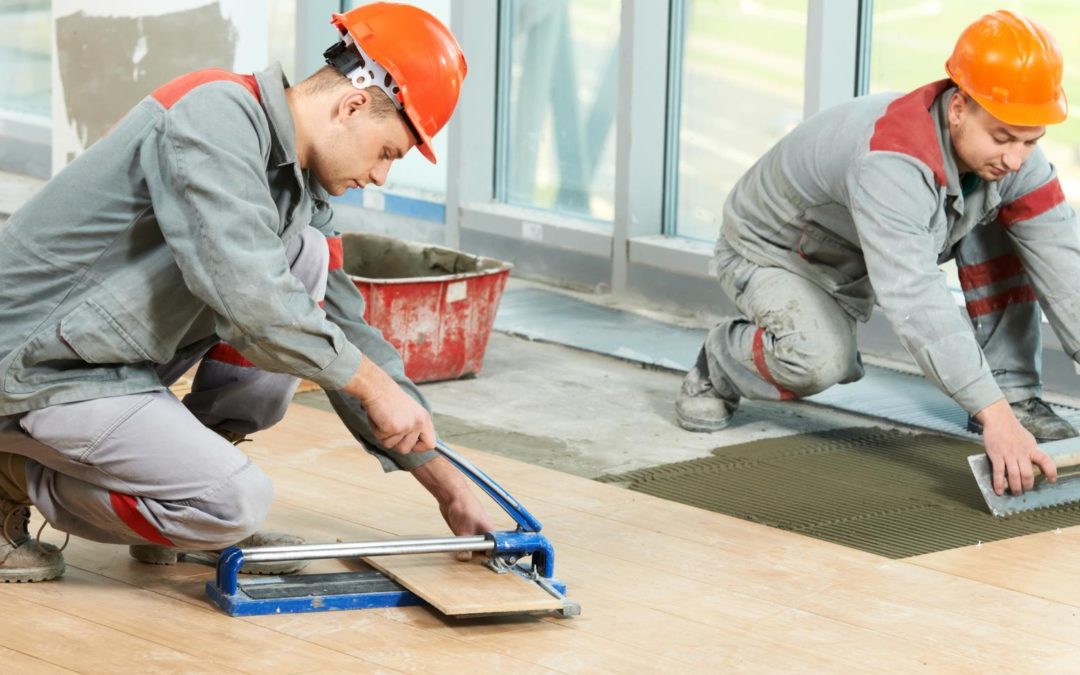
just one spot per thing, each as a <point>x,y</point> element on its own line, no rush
<point>1012,67</point>
<point>416,50</point>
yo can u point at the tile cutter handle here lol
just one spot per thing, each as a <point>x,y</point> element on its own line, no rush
<point>525,520</point>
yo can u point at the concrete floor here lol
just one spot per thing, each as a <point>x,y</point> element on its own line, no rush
<point>593,415</point>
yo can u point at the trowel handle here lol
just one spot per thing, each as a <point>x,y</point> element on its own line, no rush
<point>1067,460</point>
<point>525,520</point>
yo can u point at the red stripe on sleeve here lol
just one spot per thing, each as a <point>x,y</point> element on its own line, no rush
<point>996,303</point>
<point>986,273</point>
<point>337,253</point>
<point>1034,203</point>
<point>127,508</point>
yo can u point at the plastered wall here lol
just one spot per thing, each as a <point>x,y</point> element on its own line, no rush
<point>109,54</point>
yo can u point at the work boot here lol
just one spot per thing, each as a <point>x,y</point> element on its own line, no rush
<point>22,558</point>
<point>700,407</point>
<point>155,554</point>
<point>234,437</point>
<point>1038,418</point>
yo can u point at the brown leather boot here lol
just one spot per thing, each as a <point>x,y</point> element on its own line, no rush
<point>22,558</point>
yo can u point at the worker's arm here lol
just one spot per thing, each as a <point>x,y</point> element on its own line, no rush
<point>205,166</point>
<point>459,507</point>
<point>344,307</point>
<point>1045,234</point>
<point>401,400</point>
<point>384,409</point>
<point>1046,237</point>
<point>893,201</point>
<point>398,422</point>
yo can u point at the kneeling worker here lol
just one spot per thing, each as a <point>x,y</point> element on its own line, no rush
<point>862,202</point>
<point>198,231</point>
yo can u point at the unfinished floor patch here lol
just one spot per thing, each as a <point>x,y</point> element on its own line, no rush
<point>882,491</point>
<point>554,317</point>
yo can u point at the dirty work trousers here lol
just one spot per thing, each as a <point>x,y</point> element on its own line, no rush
<point>145,468</point>
<point>793,339</point>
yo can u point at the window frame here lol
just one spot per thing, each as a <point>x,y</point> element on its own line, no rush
<point>637,253</point>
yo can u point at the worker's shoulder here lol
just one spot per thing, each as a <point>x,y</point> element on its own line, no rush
<point>841,129</point>
<point>907,126</point>
<point>195,84</point>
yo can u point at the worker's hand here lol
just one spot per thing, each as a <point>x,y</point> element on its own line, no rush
<point>457,503</point>
<point>1012,450</point>
<point>397,420</point>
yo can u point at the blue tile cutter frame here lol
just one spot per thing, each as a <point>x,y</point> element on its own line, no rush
<point>364,590</point>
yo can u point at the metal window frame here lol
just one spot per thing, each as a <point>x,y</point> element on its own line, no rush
<point>832,53</point>
<point>539,240</point>
<point>676,43</point>
<point>312,36</point>
<point>835,42</point>
<point>636,255</point>
<point>25,144</point>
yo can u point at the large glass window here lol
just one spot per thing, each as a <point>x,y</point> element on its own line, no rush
<point>741,89</point>
<point>25,45</point>
<point>560,71</point>
<point>283,37</point>
<point>911,42</point>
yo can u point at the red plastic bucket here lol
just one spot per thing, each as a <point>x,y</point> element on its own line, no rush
<point>434,304</point>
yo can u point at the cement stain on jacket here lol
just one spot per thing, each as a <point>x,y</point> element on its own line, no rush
<point>109,63</point>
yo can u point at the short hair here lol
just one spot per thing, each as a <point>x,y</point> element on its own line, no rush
<point>969,101</point>
<point>328,79</point>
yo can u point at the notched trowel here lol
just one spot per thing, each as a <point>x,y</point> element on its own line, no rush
<point>1066,456</point>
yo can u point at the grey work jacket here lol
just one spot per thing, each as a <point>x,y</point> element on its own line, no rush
<point>864,199</point>
<point>166,236</point>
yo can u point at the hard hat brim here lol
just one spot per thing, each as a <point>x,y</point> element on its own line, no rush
<point>423,140</point>
<point>426,151</point>
<point>1026,115</point>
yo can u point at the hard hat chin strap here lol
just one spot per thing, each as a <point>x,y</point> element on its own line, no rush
<point>363,71</point>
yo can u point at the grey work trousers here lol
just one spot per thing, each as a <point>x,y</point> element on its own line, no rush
<point>794,339</point>
<point>146,467</point>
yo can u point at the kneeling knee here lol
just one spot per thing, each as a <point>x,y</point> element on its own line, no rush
<point>808,370</point>
<point>238,509</point>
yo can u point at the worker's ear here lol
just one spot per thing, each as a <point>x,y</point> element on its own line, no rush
<point>958,108</point>
<point>353,103</point>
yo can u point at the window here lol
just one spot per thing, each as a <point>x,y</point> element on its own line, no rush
<point>25,61</point>
<point>283,37</point>
<point>740,89</point>
<point>559,79</point>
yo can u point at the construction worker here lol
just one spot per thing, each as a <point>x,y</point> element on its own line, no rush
<point>828,223</point>
<point>198,231</point>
